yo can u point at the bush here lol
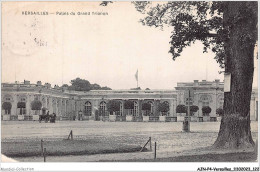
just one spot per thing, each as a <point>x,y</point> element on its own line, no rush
<point>36,105</point>
<point>163,107</point>
<point>6,106</point>
<point>206,110</point>
<point>181,109</point>
<point>21,105</point>
<point>146,106</point>
<point>129,104</point>
<point>113,106</point>
<point>193,109</point>
<point>220,111</point>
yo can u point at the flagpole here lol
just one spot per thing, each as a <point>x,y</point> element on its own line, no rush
<point>136,77</point>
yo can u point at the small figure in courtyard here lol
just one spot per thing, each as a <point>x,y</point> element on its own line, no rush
<point>47,117</point>
<point>80,115</point>
<point>53,118</point>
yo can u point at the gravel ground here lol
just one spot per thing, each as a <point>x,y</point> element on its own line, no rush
<point>171,141</point>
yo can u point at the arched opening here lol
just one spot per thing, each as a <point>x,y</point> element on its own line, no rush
<point>36,106</point>
<point>205,100</point>
<point>22,108</point>
<point>102,109</point>
<point>88,109</point>
<point>135,109</point>
<point>167,105</point>
<point>152,108</point>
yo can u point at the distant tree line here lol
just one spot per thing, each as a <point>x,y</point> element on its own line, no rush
<point>79,84</point>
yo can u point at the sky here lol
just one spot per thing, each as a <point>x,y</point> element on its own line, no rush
<point>104,49</point>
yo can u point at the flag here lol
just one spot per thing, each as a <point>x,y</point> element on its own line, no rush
<point>136,75</point>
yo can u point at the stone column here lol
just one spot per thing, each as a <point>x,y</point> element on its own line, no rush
<point>45,103</point>
<point>252,109</point>
<point>139,113</point>
<point>213,105</point>
<point>28,105</point>
<point>50,105</point>
<point>60,108</point>
<point>171,104</point>
<point>14,105</point>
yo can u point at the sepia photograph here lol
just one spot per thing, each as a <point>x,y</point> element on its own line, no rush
<point>149,84</point>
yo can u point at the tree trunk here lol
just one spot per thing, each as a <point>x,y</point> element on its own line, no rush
<point>240,20</point>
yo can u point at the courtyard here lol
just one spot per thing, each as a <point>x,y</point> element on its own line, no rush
<point>170,139</point>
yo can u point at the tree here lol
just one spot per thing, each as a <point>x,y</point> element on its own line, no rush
<point>146,106</point>
<point>65,85</point>
<point>36,105</point>
<point>229,29</point>
<point>6,106</point>
<point>113,106</point>
<point>163,107</point>
<point>21,105</point>
<point>193,109</point>
<point>181,109</point>
<point>79,84</point>
<point>220,111</point>
<point>129,104</point>
<point>137,88</point>
<point>206,110</point>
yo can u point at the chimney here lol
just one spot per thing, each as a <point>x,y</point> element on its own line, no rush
<point>196,82</point>
<point>26,82</point>
<point>39,83</point>
<point>217,82</point>
<point>47,85</point>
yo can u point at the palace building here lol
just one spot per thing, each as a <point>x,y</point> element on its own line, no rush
<point>19,100</point>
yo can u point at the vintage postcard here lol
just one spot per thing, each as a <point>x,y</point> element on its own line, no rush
<point>129,82</point>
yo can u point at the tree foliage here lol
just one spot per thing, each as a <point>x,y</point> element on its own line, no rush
<point>79,84</point>
<point>6,106</point>
<point>129,104</point>
<point>21,105</point>
<point>163,107</point>
<point>184,109</point>
<point>181,109</point>
<point>146,106</point>
<point>196,20</point>
<point>220,111</point>
<point>193,109</point>
<point>206,110</point>
<point>36,105</point>
<point>113,106</point>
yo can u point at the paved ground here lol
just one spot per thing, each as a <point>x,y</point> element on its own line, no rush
<point>171,141</point>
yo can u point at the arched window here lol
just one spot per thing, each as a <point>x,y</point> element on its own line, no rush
<point>189,100</point>
<point>88,109</point>
<point>7,98</point>
<point>102,108</point>
<point>22,108</point>
<point>152,107</point>
<point>205,100</point>
<point>135,109</point>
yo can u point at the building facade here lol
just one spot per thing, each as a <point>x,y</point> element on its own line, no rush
<point>17,100</point>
